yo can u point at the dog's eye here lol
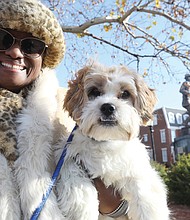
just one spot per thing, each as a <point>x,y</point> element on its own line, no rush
<point>93,93</point>
<point>125,95</point>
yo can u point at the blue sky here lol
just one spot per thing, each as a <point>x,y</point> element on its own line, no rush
<point>168,93</point>
<point>166,85</point>
<point>169,96</point>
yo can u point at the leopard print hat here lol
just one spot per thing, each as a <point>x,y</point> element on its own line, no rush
<point>33,17</point>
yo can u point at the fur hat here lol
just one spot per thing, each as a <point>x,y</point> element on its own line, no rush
<point>33,17</point>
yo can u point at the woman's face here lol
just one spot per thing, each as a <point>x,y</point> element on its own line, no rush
<point>17,70</point>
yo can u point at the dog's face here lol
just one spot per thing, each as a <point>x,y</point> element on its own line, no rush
<point>109,103</point>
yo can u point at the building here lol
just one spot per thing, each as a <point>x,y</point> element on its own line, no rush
<point>182,142</point>
<point>159,136</point>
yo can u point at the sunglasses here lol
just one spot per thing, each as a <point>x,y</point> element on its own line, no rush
<point>30,47</point>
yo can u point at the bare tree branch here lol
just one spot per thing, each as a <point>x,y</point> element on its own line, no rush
<point>139,30</point>
<point>174,20</point>
<point>95,21</point>
<point>101,20</point>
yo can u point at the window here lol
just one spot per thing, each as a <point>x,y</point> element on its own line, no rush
<point>185,116</point>
<point>180,150</point>
<point>171,117</point>
<point>145,137</point>
<point>173,154</point>
<point>150,153</point>
<point>173,134</point>
<point>163,135</point>
<point>155,119</point>
<point>179,118</point>
<point>164,155</point>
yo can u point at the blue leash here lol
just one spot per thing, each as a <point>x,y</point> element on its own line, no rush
<point>38,210</point>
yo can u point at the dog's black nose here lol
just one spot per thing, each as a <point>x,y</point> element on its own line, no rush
<point>107,109</point>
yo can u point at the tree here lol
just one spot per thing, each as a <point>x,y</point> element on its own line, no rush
<point>146,34</point>
<point>161,169</point>
<point>179,181</point>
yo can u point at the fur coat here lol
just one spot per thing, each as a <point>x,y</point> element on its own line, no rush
<point>24,180</point>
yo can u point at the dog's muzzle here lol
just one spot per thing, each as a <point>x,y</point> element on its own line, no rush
<point>108,115</point>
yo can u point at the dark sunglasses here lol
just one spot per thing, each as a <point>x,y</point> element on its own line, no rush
<point>30,47</point>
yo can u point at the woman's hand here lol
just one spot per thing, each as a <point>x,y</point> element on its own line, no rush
<point>109,200</point>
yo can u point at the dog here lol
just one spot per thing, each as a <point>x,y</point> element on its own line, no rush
<point>108,105</point>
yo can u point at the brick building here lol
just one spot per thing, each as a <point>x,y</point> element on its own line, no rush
<point>160,135</point>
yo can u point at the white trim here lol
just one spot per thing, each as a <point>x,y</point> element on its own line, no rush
<point>166,117</point>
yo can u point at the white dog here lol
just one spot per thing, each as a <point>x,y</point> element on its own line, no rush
<point>109,105</point>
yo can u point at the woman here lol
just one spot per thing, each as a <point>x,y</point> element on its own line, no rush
<point>31,44</point>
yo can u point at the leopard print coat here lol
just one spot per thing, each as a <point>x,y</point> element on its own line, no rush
<point>10,105</point>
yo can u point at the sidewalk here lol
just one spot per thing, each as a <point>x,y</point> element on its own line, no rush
<point>180,212</point>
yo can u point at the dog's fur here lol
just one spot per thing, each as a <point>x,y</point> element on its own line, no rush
<point>109,105</point>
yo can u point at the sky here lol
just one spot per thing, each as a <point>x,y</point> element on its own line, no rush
<point>166,87</point>
<point>168,94</point>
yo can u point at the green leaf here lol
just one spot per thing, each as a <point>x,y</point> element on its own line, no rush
<point>172,38</point>
<point>149,27</point>
<point>154,23</point>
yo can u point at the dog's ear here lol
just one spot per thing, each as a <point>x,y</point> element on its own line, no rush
<point>75,96</point>
<point>145,101</point>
